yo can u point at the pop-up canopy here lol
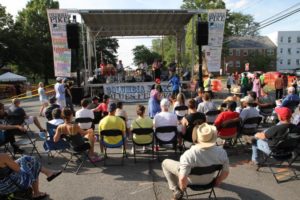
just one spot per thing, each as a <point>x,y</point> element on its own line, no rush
<point>11,77</point>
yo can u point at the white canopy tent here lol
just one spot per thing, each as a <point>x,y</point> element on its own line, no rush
<point>11,77</point>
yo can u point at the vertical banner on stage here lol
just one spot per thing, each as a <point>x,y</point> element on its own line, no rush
<point>61,53</point>
<point>216,24</point>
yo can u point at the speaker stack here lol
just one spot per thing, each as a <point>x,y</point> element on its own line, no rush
<point>202,33</point>
<point>73,35</point>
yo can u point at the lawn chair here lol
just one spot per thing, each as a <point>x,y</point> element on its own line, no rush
<point>166,129</point>
<point>49,144</point>
<point>78,148</point>
<point>198,171</point>
<point>282,152</point>
<point>211,116</point>
<point>121,143</point>
<point>141,132</point>
<point>181,108</point>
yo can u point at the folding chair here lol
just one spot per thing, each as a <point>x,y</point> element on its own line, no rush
<point>255,121</point>
<point>98,117</point>
<point>85,120</point>
<point>292,105</point>
<point>141,132</point>
<point>297,150</point>
<point>49,144</point>
<point>181,108</point>
<point>211,116</point>
<point>231,123</point>
<point>79,148</point>
<point>282,152</point>
<point>266,112</point>
<point>198,171</point>
<point>166,129</point>
<point>113,133</point>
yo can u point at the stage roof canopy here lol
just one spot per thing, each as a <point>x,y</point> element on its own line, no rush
<point>106,23</point>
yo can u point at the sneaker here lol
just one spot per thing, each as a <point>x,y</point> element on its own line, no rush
<point>156,148</point>
<point>95,159</point>
<point>177,194</point>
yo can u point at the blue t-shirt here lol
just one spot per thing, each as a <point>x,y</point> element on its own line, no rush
<point>175,81</point>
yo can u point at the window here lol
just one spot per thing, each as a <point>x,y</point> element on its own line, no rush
<point>289,61</point>
<point>298,39</point>
<point>289,51</point>
<point>270,52</point>
<point>237,52</point>
<point>245,52</point>
<point>298,51</point>
<point>237,64</point>
<point>281,39</point>
<point>289,39</point>
<point>281,61</point>
<point>230,64</point>
<point>297,62</point>
<point>230,52</point>
<point>281,50</point>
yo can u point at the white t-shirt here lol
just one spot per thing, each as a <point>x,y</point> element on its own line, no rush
<point>180,113</point>
<point>56,122</point>
<point>85,113</point>
<point>165,119</point>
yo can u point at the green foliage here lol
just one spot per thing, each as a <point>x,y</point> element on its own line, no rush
<point>142,54</point>
<point>261,61</point>
<point>107,48</point>
<point>202,4</point>
<point>166,48</point>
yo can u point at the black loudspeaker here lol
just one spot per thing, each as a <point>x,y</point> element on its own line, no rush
<point>77,95</point>
<point>202,33</point>
<point>73,35</point>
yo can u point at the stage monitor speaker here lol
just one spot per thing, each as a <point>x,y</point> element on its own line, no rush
<point>77,95</point>
<point>202,33</point>
<point>73,35</point>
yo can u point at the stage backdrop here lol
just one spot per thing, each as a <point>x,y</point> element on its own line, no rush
<point>61,54</point>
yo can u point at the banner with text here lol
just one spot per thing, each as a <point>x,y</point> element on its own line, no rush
<point>61,53</point>
<point>133,92</point>
<point>213,52</point>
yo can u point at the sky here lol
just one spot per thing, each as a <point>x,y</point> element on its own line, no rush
<point>260,9</point>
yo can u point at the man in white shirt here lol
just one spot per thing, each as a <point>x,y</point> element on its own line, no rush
<point>60,93</point>
<point>85,113</point>
<point>249,111</point>
<point>165,118</point>
<point>56,117</point>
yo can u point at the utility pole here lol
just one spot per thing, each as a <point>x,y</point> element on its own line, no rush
<point>200,82</point>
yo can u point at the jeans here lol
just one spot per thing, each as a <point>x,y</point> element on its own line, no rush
<point>171,172</point>
<point>261,145</point>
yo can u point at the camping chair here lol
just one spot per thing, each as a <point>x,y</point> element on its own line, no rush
<point>78,148</point>
<point>180,108</point>
<point>86,120</point>
<point>231,123</point>
<point>49,144</point>
<point>211,116</point>
<point>113,133</point>
<point>248,131</point>
<point>198,171</point>
<point>281,152</point>
<point>266,112</point>
<point>166,129</point>
<point>141,132</point>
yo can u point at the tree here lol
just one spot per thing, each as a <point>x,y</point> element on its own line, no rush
<point>202,4</point>
<point>261,61</point>
<point>142,54</point>
<point>107,49</point>
<point>166,48</point>
<point>34,53</point>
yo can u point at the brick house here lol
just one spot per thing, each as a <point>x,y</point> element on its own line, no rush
<point>241,48</point>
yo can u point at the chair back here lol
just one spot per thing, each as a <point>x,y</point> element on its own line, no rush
<point>84,120</point>
<point>292,105</point>
<point>166,129</point>
<point>112,133</point>
<point>181,108</point>
<point>75,140</point>
<point>142,131</point>
<point>15,119</point>
<point>206,170</point>
<point>211,116</point>
<point>252,120</point>
<point>231,123</point>
<point>51,129</point>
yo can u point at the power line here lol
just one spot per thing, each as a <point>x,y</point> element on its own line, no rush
<point>250,5</point>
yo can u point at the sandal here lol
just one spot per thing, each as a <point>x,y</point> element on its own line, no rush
<point>54,175</point>
<point>96,159</point>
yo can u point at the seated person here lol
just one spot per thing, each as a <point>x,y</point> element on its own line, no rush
<point>17,116</point>
<point>229,114</point>
<point>165,118</point>
<point>68,128</point>
<point>51,107</point>
<point>199,98</point>
<point>141,121</point>
<point>94,104</point>
<point>190,120</point>
<point>120,112</point>
<point>249,111</point>
<point>204,153</point>
<point>23,173</point>
<point>265,141</point>
<point>56,117</point>
<point>180,101</point>
<point>85,113</point>
<point>206,105</point>
<point>103,107</point>
<point>236,91</point>
<point>266,101</point>
<point>292,100</point>
<point>109,122</point>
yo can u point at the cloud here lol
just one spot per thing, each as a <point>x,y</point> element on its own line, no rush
<point>273,36</point>
<point>234,4</point>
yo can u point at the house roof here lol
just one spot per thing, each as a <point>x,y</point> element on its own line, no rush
<point>250,42</point>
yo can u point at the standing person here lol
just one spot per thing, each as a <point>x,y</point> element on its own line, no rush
<point>120,70</point>
<point>154,100</point>
<point>207,85</point>
<point>279,85</point>
<point>103,107</point>
<point>43,98</point>
<point>262,80</point>
<point>256,85</point>
<point>68,95</point>
<point>175,82</point>
<point>156,69</point>
<point>229,82</point>
<point>244,83</point>
<point>295,84</point>
<point>60,93</point>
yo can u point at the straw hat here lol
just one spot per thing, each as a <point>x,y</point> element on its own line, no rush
<point>206,135</point>
<point>236,90</point>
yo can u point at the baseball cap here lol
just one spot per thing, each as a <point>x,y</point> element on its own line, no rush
<point>95,98</point>
<point>59,79</point>
<point>165,102</point>
<point>112,107</point>
<point>284,113</point>
<point>248,99</point>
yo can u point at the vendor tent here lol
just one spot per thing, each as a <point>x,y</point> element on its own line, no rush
<point>11,77</point>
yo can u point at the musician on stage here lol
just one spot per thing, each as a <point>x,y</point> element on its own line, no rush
<point>156,68</point>
<point>120,71</point>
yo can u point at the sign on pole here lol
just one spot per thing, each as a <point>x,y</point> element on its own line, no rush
<point>58,19</point>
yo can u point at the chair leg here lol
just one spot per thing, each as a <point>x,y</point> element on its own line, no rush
<point>68,161</point>
<point>134,153</point>
<point>186,194</point>
<point>212,192</point>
